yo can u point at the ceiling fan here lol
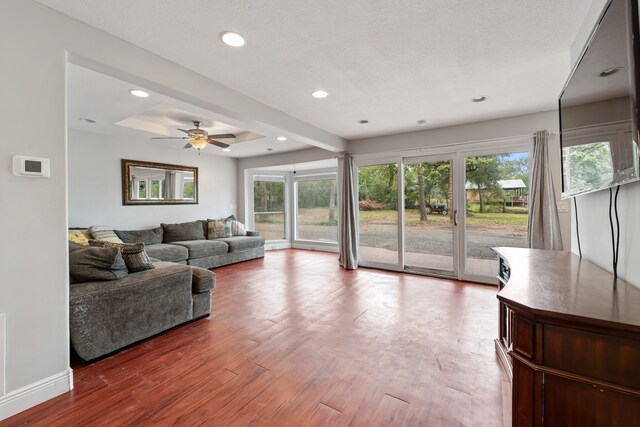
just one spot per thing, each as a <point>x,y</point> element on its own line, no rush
<point>199,138</point>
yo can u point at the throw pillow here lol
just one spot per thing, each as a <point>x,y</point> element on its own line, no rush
<point>217,228</point>
<point>182,232</point>
<point>148,237</point>
<point>237,228</point>
<point>104,232</point>
<point>81,237</point>
<point>95,263</point>
<point>134,255</point>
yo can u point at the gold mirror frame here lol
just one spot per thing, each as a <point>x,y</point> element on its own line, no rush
<point>153,189</point>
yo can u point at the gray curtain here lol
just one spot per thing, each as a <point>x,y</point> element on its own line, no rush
<point>170,185</point>
<point>347,205</point>
<point>544,225</point>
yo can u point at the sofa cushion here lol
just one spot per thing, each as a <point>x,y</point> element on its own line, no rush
<point>96,263</point>
<point>241,243</point>
<point>218,228</point>
<point>183,232</point>
<point>204,248</point>
<point>79,236</point>
<point>167,252</point>
<point>104,232</point>
<point>134,255</point>
<point>148,237</point>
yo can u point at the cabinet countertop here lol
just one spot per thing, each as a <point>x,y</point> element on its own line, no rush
<point>561,285</point>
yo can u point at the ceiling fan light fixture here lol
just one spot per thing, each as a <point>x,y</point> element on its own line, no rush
<point>198,142</point>
<point>231,38</point>
<point>139,93</point>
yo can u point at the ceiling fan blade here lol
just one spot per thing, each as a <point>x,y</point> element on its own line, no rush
<point>184,130</point>
<point>170,137</point>
<point>218,143</point>
<point>187,146</point>
<point>222,136</point>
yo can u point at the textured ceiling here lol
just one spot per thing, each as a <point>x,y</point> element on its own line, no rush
<point>389,62</point>
<point>107,101</point>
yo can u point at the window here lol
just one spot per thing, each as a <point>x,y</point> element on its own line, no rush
<point>317,212</point>
<point>269,207</point>
<point>142,189</point>
<point>155,189</point>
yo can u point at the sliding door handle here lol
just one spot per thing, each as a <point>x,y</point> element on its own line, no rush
<point>455,217</point>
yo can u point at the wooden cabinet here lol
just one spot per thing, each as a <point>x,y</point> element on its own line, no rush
<point>570,339</point>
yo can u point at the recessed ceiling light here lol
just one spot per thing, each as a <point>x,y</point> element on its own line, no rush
<point>479,98</point>
<point>139,93</point>
<point>84,119</point>
<point>226,149</point>
<point>269,149</point>
<point>281,138</point>
<point>609,71</point>
<point>421,122</point>
<point>231,38</point>
<point>363,122</point>
<point>320,94</point>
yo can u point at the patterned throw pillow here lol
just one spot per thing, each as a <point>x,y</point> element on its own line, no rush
<point>237,228</point>
<point>217,228</point>
<point>80,237</point>
<point>134,255</point>
<point>104,232</point>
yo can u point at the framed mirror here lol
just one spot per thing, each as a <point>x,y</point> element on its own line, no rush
<point>147,183</point>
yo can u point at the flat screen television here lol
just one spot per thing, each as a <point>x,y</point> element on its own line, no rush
<point>598,111</point>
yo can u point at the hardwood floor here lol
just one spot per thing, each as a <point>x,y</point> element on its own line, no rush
<point>296,340</point>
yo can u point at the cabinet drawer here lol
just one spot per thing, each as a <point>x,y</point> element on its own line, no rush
<point>522,336</point>
<point>599,356</point>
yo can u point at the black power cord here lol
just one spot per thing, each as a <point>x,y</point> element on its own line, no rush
<point>575,209</point>
<point>615,236</point>
<point>615,207</point>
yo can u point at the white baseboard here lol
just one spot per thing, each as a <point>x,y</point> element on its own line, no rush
<point>316,247</point>
<point>36,393</point>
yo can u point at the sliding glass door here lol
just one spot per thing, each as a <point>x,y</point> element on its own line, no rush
<point>455,207</point>
<point>378,215</point>
<point>430,215</point>
<point>497,208</point>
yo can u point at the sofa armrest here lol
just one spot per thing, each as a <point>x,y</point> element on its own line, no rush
<point>203,280</point>
<point>253,233</point>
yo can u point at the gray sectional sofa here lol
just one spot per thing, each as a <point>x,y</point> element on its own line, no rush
<point>105,316</point>
<point>187,243</point>
<point>111,307</point>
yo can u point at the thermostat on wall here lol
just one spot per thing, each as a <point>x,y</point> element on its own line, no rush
<point>30,166</point>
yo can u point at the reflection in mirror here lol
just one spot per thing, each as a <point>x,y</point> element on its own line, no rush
<point>146,183</point>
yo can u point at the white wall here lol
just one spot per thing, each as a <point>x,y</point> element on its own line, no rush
<point>593,209</point>
<point>504,128</point>
<point>35,42</point>
<point>95,192</point>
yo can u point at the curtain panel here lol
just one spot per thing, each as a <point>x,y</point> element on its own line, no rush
<point>347,219</point>
<point>544,225</point>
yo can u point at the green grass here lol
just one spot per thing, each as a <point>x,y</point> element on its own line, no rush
<point>320,216</point>
<point>412,217</point>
